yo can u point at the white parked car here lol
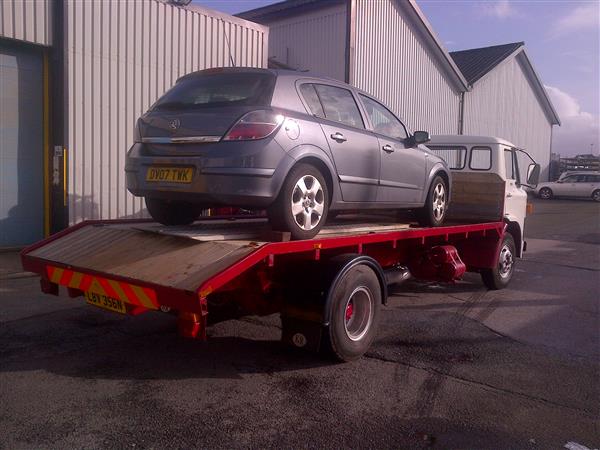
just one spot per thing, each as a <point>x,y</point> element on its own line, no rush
<point>575,184</point>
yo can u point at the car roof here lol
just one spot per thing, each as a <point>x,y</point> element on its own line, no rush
<point>280,73</point>
<point>441,139</point>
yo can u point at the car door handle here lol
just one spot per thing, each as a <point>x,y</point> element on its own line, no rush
<point>509,195</point>
<point>339,137</point>
<point>388,148</point>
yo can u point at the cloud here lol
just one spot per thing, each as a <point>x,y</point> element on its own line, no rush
<point>583,18</point>
<point>579,129</point>
<point>501,9</point>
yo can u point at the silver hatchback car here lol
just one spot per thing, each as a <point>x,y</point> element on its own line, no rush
<point>297,145</point>
<point>583,184</point>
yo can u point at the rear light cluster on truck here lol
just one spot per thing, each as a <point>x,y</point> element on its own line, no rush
<point>254,125</point>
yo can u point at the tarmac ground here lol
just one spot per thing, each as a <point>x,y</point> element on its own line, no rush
<point>453,366</point>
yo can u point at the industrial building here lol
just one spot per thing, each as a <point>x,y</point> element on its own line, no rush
<point>389,49</point>
<point>75,75</point>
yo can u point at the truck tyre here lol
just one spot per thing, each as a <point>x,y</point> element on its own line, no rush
<point>500,276</point>
<point>546,193</point>
<point>355,305</point>
<point>171,212</point>
<point>596,195</point>
<point>436,205</point>
<point>302,205</point>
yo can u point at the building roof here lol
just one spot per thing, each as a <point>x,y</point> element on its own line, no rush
<point>476,62</point>
<point>285,8</point>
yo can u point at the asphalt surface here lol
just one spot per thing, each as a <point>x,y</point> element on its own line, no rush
<point>453,366</point>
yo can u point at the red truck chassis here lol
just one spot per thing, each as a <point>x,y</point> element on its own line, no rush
<point>253,276</point>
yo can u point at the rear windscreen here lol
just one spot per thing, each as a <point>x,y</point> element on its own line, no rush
<point>219,89</point>
<point>454,156</point>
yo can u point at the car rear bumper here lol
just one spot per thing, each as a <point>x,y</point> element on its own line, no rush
<point>216,181</point>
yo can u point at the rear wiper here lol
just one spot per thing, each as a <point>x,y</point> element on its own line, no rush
<point>173,105</point>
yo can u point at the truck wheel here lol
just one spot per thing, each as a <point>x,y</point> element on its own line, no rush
<point>436,205</point>
<point>546,193</point>
<point>499,276</point>
<point>596,195</point>
<point>171,212</point>
<point>302,205</point>
<point>354,313</point>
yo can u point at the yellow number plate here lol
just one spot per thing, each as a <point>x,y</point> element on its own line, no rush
<point>170,174</point>
<point>105,302</point>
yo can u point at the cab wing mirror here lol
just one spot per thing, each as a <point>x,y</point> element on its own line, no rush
<point>420,137</point>
<point>533,174</point>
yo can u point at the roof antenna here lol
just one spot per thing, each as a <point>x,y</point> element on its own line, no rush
<point>228,46</point>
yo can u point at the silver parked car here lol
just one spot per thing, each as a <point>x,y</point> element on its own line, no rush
<point>286,141</point>
<point>575,184</point>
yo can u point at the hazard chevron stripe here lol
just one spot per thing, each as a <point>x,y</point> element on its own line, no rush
<point>129,293</point>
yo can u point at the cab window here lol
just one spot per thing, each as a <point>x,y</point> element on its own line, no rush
<point>509,161</point>
<point>383,121</point>
<point>481,158</point>
<point>455,157</point>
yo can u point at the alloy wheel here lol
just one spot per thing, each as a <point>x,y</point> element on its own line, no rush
<point>308,202</point>
<point>439,201</point>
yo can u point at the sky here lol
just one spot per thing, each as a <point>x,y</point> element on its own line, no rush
<point>562,40</point>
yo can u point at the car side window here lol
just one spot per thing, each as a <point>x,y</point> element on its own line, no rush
<point>339,105</point>
<point>311,97</point>
<point>592,178</point>
<point>383,121</point>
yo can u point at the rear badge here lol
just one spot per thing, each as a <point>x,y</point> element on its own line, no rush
<point>174,124</point>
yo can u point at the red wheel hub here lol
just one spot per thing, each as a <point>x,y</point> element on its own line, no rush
<point>349,311</point>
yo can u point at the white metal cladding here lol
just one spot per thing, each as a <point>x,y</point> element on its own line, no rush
<point>504,104</point>
<point>27,20</point>
<point>393,64</point>
<point>314,41</point>
<point>120,57</point>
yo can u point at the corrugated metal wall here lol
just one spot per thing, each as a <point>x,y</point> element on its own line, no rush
<point>120,56</point>
<point>27,20</point>
<point>392,63</point>
<point>313,41</point>
<point>504,104</point>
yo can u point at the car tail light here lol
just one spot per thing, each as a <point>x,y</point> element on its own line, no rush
<point>254,125</point>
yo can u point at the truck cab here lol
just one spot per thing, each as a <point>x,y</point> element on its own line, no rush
<point>490,175</point>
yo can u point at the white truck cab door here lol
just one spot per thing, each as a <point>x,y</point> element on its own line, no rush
<point>515,201</point>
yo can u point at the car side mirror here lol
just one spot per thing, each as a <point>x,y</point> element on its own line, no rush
<point>533,174</point>
<point>420,137</point>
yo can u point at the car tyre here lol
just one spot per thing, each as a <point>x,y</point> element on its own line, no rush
<point>436,205</point>
<point>596,195</point>
<point>500,276</point>
<point>355,305</point>
<point>170,212</point>
<point>303,203</point>
<point>546,193</point>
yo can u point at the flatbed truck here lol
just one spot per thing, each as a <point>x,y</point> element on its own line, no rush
<point>328,290</point>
